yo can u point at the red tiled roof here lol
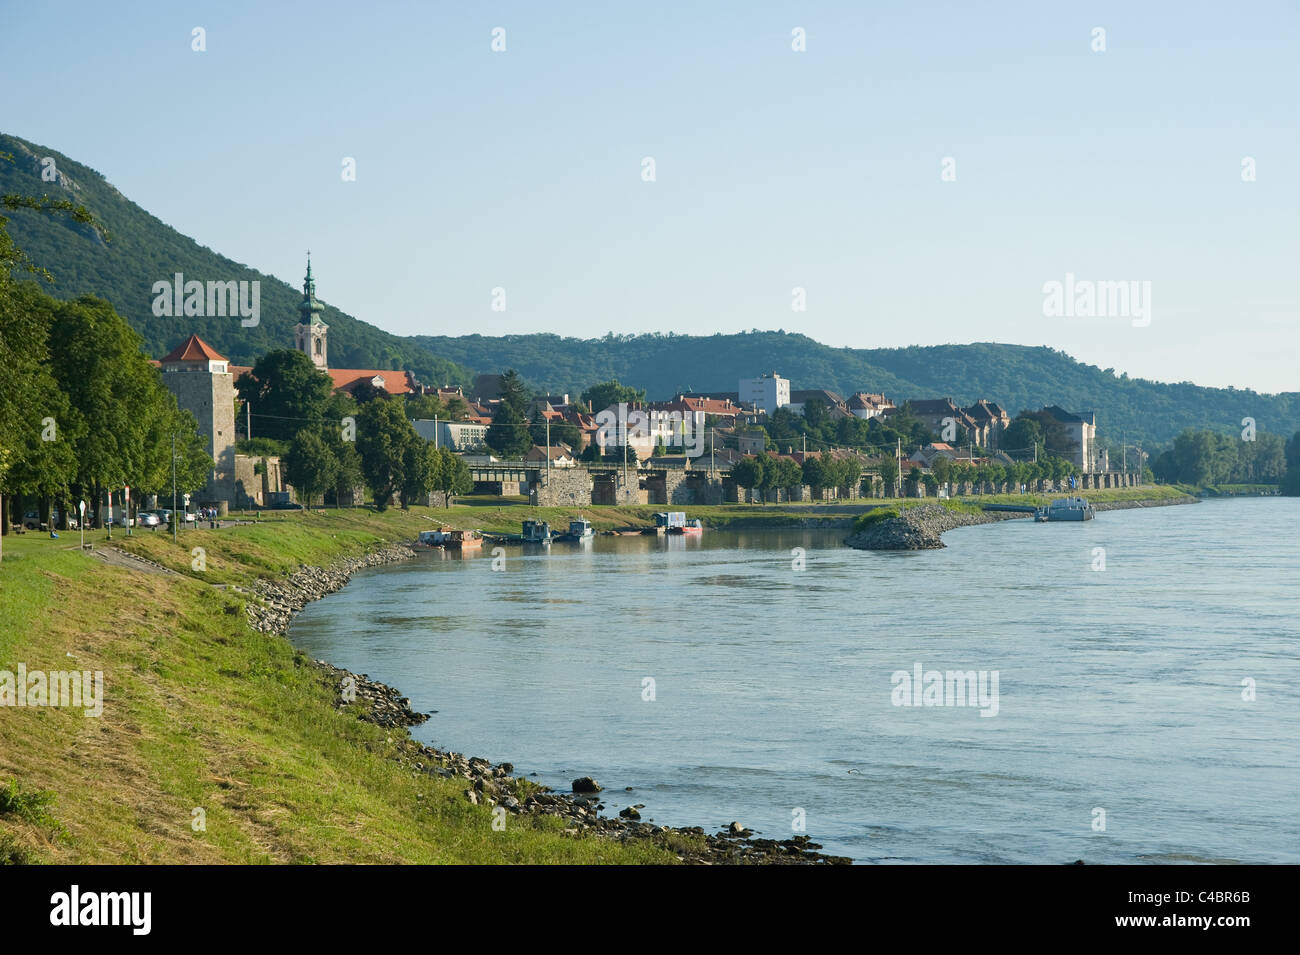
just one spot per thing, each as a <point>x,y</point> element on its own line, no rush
<point>395,382</point>
<point>194,349</point>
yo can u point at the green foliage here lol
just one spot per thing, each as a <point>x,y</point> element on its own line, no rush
<point>1207,458</point>
<point>383,434</point>
<point>121,260</point>
<point>509,434</point>
<point>286,392</point>
<point>601,396</point>
<point>874,516</point>
<point>1017,377</point>
<point>30,806</point>
<point>452,476</point>
<point>261,447</point>
<point>310,465</point>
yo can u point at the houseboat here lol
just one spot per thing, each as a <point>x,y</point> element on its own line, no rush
<point>690,528</point>
<point>435,538</point>
<point>579,530</point>
<point>537,532</point>
<point>1067,509</point>
<point>665,521</point>
<point>464,540</point>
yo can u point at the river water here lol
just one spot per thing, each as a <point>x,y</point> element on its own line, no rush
<point>1120,730</point>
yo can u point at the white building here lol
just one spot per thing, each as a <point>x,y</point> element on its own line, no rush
<point>452,435</point>
<point>766,393</point>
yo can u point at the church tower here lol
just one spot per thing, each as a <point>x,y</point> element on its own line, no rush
<point>311,332</point>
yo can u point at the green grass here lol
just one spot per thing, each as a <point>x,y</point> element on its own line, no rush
<point>1147,492</point>
<point>201,713</point>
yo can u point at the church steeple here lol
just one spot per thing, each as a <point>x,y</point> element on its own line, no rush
<point>311,332</point>
<point>309,308</point>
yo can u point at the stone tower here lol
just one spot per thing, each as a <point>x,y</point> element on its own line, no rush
<point>203,385</point>
<point>311,333</point>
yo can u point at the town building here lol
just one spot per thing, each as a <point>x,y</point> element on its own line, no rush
<point>311,337</point>
<point>1081,428</point>
<point>203,385</point>
<point>835,405</point>
<point>453,435</point>
<point>865,405</point>
<point>766,393</point>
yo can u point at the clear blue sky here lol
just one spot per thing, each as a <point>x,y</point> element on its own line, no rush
<point>775,169</point>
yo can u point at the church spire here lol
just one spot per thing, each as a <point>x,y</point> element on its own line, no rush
<point>309,308</point>
<point>311,333</point>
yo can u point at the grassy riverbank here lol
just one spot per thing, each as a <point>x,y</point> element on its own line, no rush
<point>202,713</point>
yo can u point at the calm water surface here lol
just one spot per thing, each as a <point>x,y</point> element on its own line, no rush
<point>1119,689</point>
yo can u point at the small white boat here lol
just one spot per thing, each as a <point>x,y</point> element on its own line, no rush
<point>579,530</point>
<point>1067,509</point>
<point>537,532</point>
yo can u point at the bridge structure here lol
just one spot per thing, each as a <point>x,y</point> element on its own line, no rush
<point>605,483</point>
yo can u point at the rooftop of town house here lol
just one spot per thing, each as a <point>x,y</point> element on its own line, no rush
<point>192,349</point>
<point>394,382</point>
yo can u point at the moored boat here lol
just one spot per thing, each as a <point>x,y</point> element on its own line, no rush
<point>579,530</point>
<point>465,540</point>
<point>691,528</point>
<point>1067,509</point>
<point>537,532</point>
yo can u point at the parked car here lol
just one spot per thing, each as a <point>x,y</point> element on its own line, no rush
<point>34,521</point>
<point>147,519</point>
<point>121,520</point>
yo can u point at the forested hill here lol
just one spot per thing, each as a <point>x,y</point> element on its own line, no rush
<point>1016,376</point>
<point>142,250</point>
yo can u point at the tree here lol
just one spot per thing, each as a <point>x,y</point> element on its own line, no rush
<point>425,407</point>
<point>848,472</point>
<point>748,472</point>
<point>509,434</point>
<point>889,475</point>
<point>453,475</point>
<point>287,391</point>
<point>1023,436</point>
<point>1291,479</point>
<point>814,473</point>
<point>941,468</point>
<point>601,396</point>
<point>364,391</point>
<point>348,476</point>
<point>383,433</point>
<point>786,473</point>
<point>421,464</point>
<point>310,466</point>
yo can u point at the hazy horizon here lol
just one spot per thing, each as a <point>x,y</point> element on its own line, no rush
<point>775,169</point>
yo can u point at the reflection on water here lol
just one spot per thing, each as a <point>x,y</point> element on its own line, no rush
<point>1119,690</point>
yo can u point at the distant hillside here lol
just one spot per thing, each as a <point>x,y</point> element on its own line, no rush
<point>142,250</point>
<point>1016,376</point>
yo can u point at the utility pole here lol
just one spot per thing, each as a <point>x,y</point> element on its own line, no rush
<point>175,523</point>
<point>711,430</point>
<point>248,417</point>
<point>435,432</point>
<point>110,514</point>
<point>548,459</point>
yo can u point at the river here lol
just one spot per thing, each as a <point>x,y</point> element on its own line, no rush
<point>1146,704</point>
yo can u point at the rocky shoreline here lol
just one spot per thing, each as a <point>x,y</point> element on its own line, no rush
<point>271,611</point>
<point>922,527</point>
